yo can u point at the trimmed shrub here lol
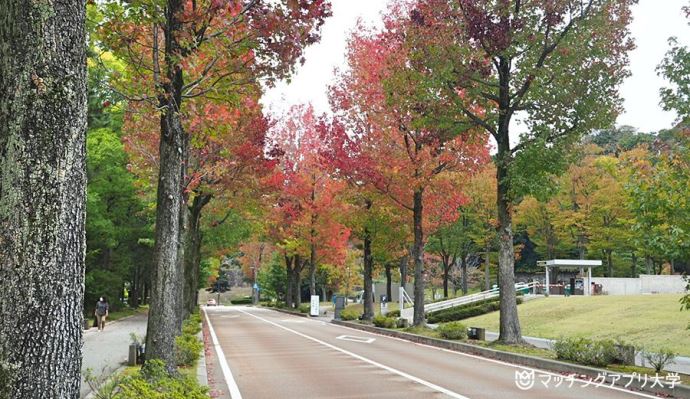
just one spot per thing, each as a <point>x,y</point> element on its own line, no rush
<point>349,314</point>
<point>452,330</point>
<point>304,308</point>
<point>247,300</point>
<point>466,311</point>
<point>586,351</point>
<point>393,313</point>
<point>191,326</point>
<point>383,321</point>
<point>188,347</point>
<point>402,323</point>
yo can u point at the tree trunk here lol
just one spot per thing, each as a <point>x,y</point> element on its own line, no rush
<point>463,264</point>
<point>368,297</point>
<point>389,281</point>
<point>192,254</point>
<point>166,283</point>
<point>446,272</point>
<point>609,261</point>
<point>487,272</point>
<point>403,270</point>
<point>288,289</point>
<point>296,282</point>
<point>312,268</point>
<point>42,197</point>
<point>648,264</point>
<point>509,329</point>
<point>633,265</point>
<point>418,255</point>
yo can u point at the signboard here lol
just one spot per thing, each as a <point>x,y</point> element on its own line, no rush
<point>314,310</point>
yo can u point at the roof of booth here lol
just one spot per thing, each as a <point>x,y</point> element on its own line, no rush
<point>570,263</point>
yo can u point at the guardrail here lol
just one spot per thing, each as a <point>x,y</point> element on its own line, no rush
<point>463,300</point>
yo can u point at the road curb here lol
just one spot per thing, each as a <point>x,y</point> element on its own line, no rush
<point>287,311</point>
<point>679,391</point>
<point>201,372</point>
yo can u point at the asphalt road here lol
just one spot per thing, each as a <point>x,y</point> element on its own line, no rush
<point>274,355</point>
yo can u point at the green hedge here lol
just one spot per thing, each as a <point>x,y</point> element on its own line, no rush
<point>452,330</point>
<point>383,321</point>
<point>586,351</point>
<point>349,314</point>
<point>247,300</point>
<point>466,311</point>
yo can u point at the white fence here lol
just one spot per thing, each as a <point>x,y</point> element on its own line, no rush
<point>645,284</point>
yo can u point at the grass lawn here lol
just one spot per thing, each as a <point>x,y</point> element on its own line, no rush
<point>652,321</point>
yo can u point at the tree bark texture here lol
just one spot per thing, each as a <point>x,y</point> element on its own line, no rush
<point>42,197</point>
<point>192,254</point>
<point>418,255</point>
<point>389,280</point>
<point>509,329</point>
<point>166,283</point>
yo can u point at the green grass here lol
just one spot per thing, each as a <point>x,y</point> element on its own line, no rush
<point>126,312</point>
<point>651,321</point>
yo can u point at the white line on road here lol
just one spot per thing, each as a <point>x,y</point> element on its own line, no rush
<point>364,359</point>
<point>615,388</point>
<point>229,379</point>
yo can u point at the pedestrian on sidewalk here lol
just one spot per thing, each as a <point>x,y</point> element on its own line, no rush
<point>101,312</point>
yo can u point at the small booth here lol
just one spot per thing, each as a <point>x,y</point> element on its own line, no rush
<point>572,264</point>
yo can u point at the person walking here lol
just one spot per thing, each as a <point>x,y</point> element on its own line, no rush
<point>101,312</point>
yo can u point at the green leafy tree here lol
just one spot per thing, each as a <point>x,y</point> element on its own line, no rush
<point>555,65</point>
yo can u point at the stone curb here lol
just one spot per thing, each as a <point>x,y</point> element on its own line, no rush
<point>201,372</point>
<point>287,311</point>
<point>679,391</point>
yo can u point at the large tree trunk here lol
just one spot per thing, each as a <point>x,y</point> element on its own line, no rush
<point>312,246</point>
<point>648,264</point>
<point>42,195</point>
<point>446,271</point>
<point>633,265</point>
<point>166,284</point>
<point>418,255</point>
<point>609,261</point>
<point>389,281</point>
<point>509,329</point>
<point>296,281</point>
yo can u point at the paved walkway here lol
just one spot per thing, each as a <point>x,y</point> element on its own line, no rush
<point>106,351</point>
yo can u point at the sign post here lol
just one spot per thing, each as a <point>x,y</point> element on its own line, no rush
<point>314,309</point>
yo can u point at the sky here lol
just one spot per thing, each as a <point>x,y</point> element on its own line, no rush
<point>654,22</point>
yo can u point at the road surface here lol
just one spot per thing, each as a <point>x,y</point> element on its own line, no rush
<point>267,354</point>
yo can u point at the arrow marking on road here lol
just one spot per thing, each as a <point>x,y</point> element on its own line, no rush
<point>352,338</point>
<point>364,359</point>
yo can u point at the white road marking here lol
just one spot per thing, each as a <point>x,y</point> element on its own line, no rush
<point>227,374</point>
<point>615,388</point>
<point>292,321</point>
<point>364,359</point>
<point>356,339</point>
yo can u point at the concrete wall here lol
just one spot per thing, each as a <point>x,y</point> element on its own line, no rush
<point>645,284</point>
<point>653,284</point>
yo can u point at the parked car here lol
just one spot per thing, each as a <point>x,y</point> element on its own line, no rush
<point>211,302</point>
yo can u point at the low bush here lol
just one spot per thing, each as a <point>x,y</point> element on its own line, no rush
<point>383,321</point>
<point>247,300</point>
<point>452,330</point>
<point>402,323</point>
<point>393,313</point>
<point>659,358</point>
<point>304,308</point>
<point>349,314</point>
<point>188,349</point>
<point>152,382</point>
<point>192,326</point>
<point>464,312</point>
<point>586,351</point>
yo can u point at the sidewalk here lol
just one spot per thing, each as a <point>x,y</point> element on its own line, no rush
<point>106,351</point>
